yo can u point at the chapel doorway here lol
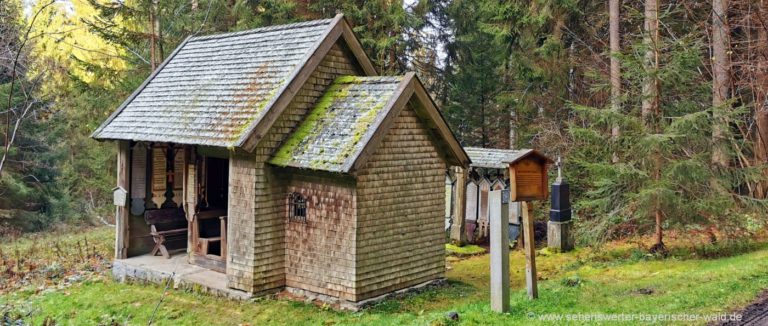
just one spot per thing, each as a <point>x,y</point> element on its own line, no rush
<point>209,227</point>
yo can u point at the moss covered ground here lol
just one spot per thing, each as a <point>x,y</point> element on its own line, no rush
<point>618,279</point>
<point>463,251</point>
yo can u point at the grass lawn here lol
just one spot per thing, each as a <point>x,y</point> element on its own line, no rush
<point>615,280</point>
<point>467,250</point>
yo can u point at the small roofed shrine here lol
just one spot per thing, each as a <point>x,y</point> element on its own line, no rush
<point>489,171</point>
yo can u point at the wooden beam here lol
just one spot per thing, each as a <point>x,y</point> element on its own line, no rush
<point>190,194</point>
<point>121,214</point>
<point>458,234</point>
<point>530,251</point>
<point>223,225</point>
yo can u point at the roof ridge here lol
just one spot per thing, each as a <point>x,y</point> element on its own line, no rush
<point>270,28</point>
<point>353,79</point>
<point>508,150</point>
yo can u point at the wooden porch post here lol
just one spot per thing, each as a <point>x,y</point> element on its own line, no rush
<point>190,195</point>
<point>121,215</point>
<point>458,236</point>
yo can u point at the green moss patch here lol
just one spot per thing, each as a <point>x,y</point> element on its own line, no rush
<point>311,125</point>
<point>466,250</point>
<point>317,125</point>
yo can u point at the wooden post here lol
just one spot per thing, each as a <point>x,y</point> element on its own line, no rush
<point>458,235</point>
<point>223,223</point>
<point>499,234</point>
<point>121,213</point>
<point>530,251</point>
<point>190,195</point>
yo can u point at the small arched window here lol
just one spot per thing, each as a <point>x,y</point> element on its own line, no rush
<point>297,208</point>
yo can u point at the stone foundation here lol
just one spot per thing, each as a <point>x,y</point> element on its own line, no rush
<point>560,236</point>
<point>357,306</point>
<point>149,269</point>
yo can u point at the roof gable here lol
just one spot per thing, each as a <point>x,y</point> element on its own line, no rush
<point>218,90</point>
<point>335,129</point>
<point>352,118</point>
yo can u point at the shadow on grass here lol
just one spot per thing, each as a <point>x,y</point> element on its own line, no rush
<point>440,296</point>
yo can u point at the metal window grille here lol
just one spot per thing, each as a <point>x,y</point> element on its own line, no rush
<point>297,208</point>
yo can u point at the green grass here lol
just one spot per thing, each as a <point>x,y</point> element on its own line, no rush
<point>583,281</point>
<point>466,250</point>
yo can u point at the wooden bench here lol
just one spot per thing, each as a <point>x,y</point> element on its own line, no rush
<point>205,242</point>
<point>166,225</point>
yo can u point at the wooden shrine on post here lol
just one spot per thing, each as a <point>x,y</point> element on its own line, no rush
<point>528,177</point>
<point>527,182</point>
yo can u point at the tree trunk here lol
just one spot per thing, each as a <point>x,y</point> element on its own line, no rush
<point>159,31</point>
<point>650,105</point>
<point>231,16</point>
<point>761,101</point>
<point>615,66</point>
<point>659,247</point>
<point>721,80</point>
<point>512,128</point>
<point>152,51</point>
<point>155,49</point>
<point>483,137</point>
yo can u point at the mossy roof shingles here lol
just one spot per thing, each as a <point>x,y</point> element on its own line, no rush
<point>337,128</point>
<point>493,157</point>
<point>214,87</point>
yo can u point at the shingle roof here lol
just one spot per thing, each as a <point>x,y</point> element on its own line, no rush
<point>337,128</point>
<point>213,87</point>
<point>494,158</point>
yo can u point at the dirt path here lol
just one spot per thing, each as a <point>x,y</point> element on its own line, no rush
<point>756,314</point>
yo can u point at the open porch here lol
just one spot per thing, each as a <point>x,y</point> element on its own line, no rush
<point>157,269</point>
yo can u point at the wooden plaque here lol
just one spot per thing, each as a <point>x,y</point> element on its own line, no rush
<point>159,169</point>
<point>159,175</point>
<point>528,179</point>
<point>178,170</point>
<point>139,172</point>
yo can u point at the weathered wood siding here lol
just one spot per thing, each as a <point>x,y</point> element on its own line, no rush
<point>256,256</point>
<point>244,175</point>
<point>401,202</point>
<point>320,254</point>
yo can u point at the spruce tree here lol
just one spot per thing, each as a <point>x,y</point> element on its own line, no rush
<point>664,160</point>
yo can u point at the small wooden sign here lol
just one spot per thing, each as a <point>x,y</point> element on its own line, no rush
<point>120,196</point>
<point>528,177</point>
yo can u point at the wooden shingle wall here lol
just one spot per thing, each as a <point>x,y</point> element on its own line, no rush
<point>401,202</point>
<point>241,219</point>
<point>320,254</point>
<point>256,256</point>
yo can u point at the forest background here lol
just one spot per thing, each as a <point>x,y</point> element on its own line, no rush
<point>658,108</point>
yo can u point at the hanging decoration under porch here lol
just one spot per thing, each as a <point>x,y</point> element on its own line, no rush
<point>138,179</point>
